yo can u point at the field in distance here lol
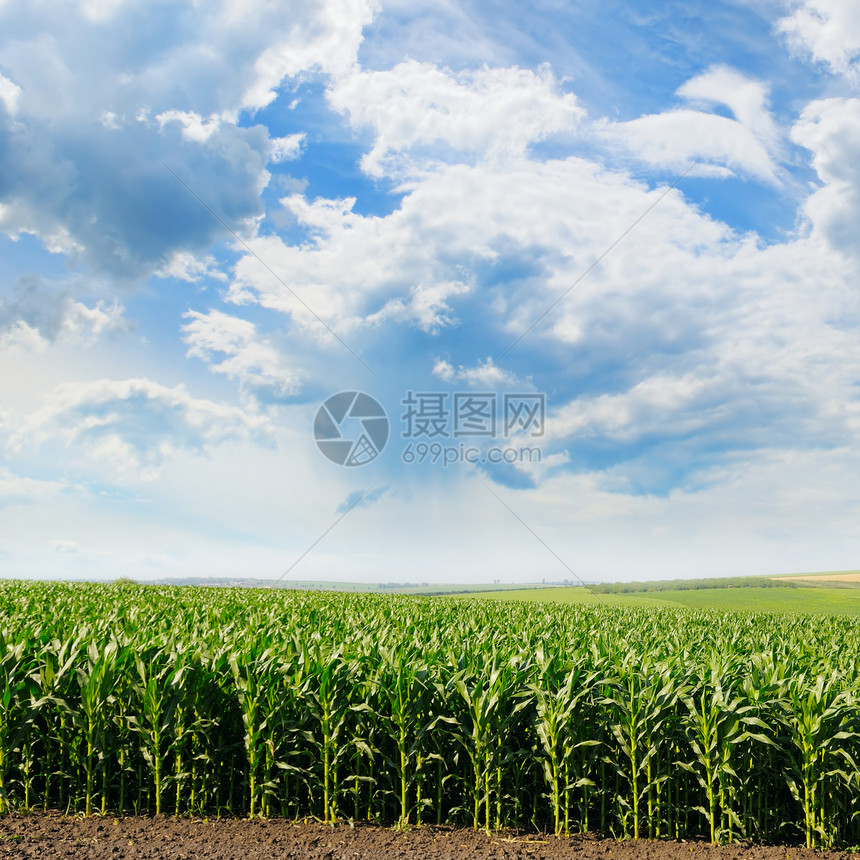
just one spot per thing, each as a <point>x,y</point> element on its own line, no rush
<point>836,593</point>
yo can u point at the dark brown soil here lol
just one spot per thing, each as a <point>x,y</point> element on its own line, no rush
<point>48,836</point>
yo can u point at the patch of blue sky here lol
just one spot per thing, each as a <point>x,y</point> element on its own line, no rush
<point>26,255</point>
<point>622,60</point>
<point>655,467</point>
<point>746,206</point>
<point>508,475</point>
<point>329,163</point>
<point>157,312</point>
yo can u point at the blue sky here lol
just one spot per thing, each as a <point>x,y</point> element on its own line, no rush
<point>215,216</point>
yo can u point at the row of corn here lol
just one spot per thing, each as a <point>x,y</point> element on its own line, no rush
<point>406,710</point>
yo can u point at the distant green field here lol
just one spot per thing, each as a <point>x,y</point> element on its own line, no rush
<point>827,601</point>
<point>575,594</point>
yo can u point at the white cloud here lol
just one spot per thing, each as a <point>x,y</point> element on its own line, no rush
<point>41,314</point>
<point>748,99</point>
<point>134,425</point>
<point>830,129</point>
<point>493,113</point>
<point>425,307</point>
<point>83,324</point>
<point>194,127</point>
<point>10,93</point>
<point>520,233</point>
<point>247,357</point>
<point>702,340</point>
<point>829,31</point>
<point>285,148</point>
<point>485,374</point>
<point>773,367</point>
<point>746,145</point>
<point>325,37</point>
<point>187,267</point>
<point>83,159</point>
<point>22,338</point>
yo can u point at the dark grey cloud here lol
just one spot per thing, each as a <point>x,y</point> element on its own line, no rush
<point>95,92</point>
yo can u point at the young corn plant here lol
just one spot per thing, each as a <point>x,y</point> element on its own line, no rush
<point>640,701</point>
<point>159,689</point>
<point>817,713</point>
<point>252,678</point>
<point>563,697</point>
<point>96,682</point>
<point>18,687</point>
<point>716,722</point>
<point>390,707</point>
<point>493,698</point>
<point>327,696</point>
<point>407,697</point>
<point>55,671</point>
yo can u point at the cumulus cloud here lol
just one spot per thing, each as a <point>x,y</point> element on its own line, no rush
<point>486,374</point>
<point>134,425</point>
<point>829,32</point>
<point>193,126</point>
<point>323,37</point>
<point>748,100</point>
<point>771,371</point>
<point>515,236</point>
<point>188,267</point>
<point>420,109</point>
<point>747,145</point>
<point>285,148</point>
<point>52,314</point>
<point>425,307</point>
<point>243,354</point>
<point>830,129</point>
<point>9,95</point>
<point>103,94</point>
<point>687,341</point>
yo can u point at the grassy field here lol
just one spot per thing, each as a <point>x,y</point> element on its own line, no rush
<point>827,601</point>
<point>575,595</point>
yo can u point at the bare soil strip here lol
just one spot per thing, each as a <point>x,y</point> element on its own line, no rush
<point>51,835</point>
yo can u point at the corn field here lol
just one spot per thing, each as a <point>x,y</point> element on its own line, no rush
<point>406,710</point>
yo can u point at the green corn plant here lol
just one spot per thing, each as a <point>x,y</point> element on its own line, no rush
<point>18,685</point>
<point>493,698</point>
<point>252,678</point>
<point>158,686</point>
<point>716,721</point>
<point>55,672</point>
<point>327,697</point>
<point>96,681</point>
<point>563,696</point>
<point>639,700</point>
<point>407,696</point>
<point>392,708</point>
<point>816,713</point>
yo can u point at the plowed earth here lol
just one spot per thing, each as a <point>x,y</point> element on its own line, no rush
<point>48,836</point>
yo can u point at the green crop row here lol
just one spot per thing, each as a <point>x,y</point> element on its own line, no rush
<point>630,722</point>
